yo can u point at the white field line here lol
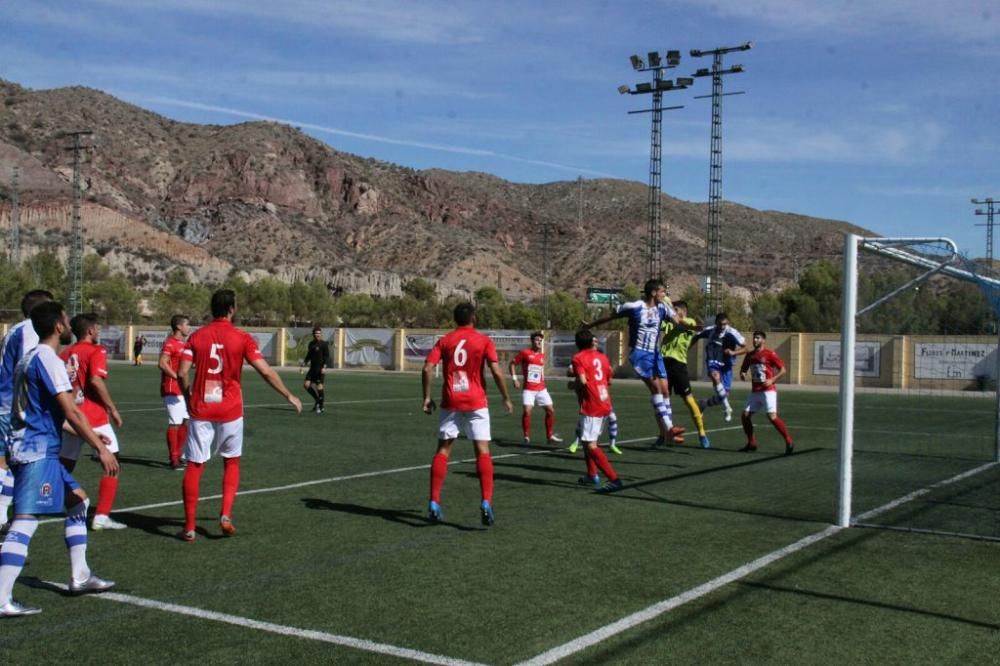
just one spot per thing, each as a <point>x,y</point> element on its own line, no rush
<point>284,630</point>
<point>868,431</point>
<point>630,621</point>
<point>160,408</point>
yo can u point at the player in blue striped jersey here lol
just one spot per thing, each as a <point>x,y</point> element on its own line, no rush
<point>644,319</point>
<point>723,343</point>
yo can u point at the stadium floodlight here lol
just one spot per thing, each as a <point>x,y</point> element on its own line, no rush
<point>643,87</point>
<point>653,58</point>
<point>685,82</point>
<point>673,58</point>
<point>989,211</point>
<point>637,63</point>
<point>695,53</point>
<point>624,90</point>
<point>665,84</point>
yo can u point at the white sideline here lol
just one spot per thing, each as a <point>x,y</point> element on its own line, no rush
<point>284,630</point>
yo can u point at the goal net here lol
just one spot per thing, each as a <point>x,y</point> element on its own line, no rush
<point>919,431</point>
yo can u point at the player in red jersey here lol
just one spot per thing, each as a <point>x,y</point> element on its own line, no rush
<point>170,390</point>
<point>532,362</point>
<point>765,369</point>
<point>463,352</point>
<point>87,366</point>
<point>591,371</point>
<point>215,402</point>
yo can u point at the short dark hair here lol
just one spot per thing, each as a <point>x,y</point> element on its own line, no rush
<point>317,329</point>
<point>761,334</point>
<point>651,286</point>
<point>584,339</point>
<point>45,316</point>
<point>680,304</point>
<point>81,323</point>
<point>719,317</point>
<point>177,320</point>
<point>537,334</point>
<point>464,312</point>
<point>33,298</point>
<point>222,302</point>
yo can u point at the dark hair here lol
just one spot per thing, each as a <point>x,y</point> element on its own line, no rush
<point>45,316</point>
<point>651,286</point>
<point>680,304</point>
<point>317,329</point>
<point>464,312</point>
<point>584,339</point>
<point>222,302</point>
<point>537,334</point>
<point>719,317</point>
<point>33,298</point>
<point>81,323</point>
<point>761,334</point>
<point>177,320</point>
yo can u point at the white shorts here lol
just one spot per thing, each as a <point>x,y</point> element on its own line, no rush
<point>759,400</point>
<point>227,436</point>
<point>73,444</point>
<point>475,424</point>
<point>590,428</point>
<point>536,398</point>
<point>177,411</point>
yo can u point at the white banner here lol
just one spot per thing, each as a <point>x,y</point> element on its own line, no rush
<point>265,341</point>
<point>954,360</point>
<point>417,347</point>
<point>154,342</point>
<point>826,358</point>
<point>368,346</point>
<point>112,339</point>
<point>298,339</point>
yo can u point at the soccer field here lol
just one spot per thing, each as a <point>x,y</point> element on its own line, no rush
<point>707,556</point>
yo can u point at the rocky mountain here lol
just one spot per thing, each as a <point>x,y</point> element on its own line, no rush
<point>266,199</point>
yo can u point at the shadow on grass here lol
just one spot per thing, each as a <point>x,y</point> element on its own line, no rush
<point>406,517</point>
<point>165,527</point>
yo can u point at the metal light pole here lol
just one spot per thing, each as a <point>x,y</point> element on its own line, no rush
<point>14,241</point>
<point>988,202</point>
<point>656,88</point>
<point>713,246</point>
<point>76,244</point>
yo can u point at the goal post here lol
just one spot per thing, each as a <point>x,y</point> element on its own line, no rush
<point>934,257</point>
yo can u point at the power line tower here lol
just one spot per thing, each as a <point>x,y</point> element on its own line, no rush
<point>14,240</point>
<point>713,245</point>
<point>76,243</point>
<point>988,212</point>
<point>659,85</point>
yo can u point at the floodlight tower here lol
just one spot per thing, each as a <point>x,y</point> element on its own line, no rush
<point>988,212</point>
<point>14,240</point>
<point>656,88</point>
<point>76,243</point>
<point>713,251</point>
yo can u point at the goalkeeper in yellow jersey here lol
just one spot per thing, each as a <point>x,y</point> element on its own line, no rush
<point>674,347</point>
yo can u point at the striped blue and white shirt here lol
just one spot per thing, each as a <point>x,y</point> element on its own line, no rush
<point>36,418</point>
<point>644,323</point>
<point>20,339</point>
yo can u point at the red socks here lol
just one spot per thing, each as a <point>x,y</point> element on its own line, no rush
<point>484,467</point>
<point>550,424</point>
<point>780,425</point>
<point>601,461</point>
<point>230,483</point>
<point>591,465</point>
<point>526,424</point>
<point>439,469</point>
<point>192,483</point>
<point>176,434</point>
<point>106,495</point>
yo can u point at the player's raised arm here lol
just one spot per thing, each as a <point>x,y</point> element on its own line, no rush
<point>81,427</point>
<point>264,369</point>
<point>502,385</point>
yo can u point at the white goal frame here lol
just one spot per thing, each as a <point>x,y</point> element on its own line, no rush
<point>889,248</point>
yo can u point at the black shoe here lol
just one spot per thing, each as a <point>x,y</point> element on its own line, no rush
<point>789,449</point>
<point>749,448</point>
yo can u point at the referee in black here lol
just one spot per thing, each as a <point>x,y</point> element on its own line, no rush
<point>318,360</point>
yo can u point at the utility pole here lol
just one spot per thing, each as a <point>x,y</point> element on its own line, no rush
<point>988,212</point>
<point>545,274</point>
<point>14,240</point>
<point>76,243</point>
<point>656,88</point>
<point>713,245</point>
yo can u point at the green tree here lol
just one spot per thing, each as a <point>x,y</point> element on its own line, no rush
<point>181,296</point>
<point>566,311</point>
<point>266,302</point>
<point>420,290</point>
<point>523,316</point>
<point>767,313</point>
<point>356,309</point>
<point>311,301</point>
<point>491,309</point>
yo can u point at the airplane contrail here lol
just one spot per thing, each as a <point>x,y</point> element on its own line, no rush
<point>462,150</point>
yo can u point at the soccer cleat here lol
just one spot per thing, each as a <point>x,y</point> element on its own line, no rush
<point>594,481</point>
<point>749,448</point>
<point>789,449</point>
<point>702,405</point>
<point>187,537</point>
<point>93,585</point>
<point>16,609</point>
<point>659,442</point>
<point>728,415</point>
<point>487,513</point>
<point>611,486</point>
<point>527,440</point>
<point>703,440</point>
<point>102,521</point>
<point>434,512</point>
<point>555,439</point>
<point>614,448</point>
<point>226,525</point>
<point>572,448</point>
<point>178,466</point>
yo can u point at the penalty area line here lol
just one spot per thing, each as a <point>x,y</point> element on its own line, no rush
<point>281,629</point>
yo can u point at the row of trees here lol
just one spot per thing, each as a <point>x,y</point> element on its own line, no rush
<point>812,305</point>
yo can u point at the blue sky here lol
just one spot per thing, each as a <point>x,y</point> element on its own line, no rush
<point>884,114</point>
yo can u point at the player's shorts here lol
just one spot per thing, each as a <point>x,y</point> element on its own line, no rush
<point>759,400</point>
<point>475,424</point>
<point>677,376</point>
<point>647,364</point>
<point>590,427</point>
<point>725,373</point>
<point>315,375</point>
<point>201,435</point>
<point>177,411</point>
<point>41,486</point>
<point>73,444</point>
<point>536,398</point>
